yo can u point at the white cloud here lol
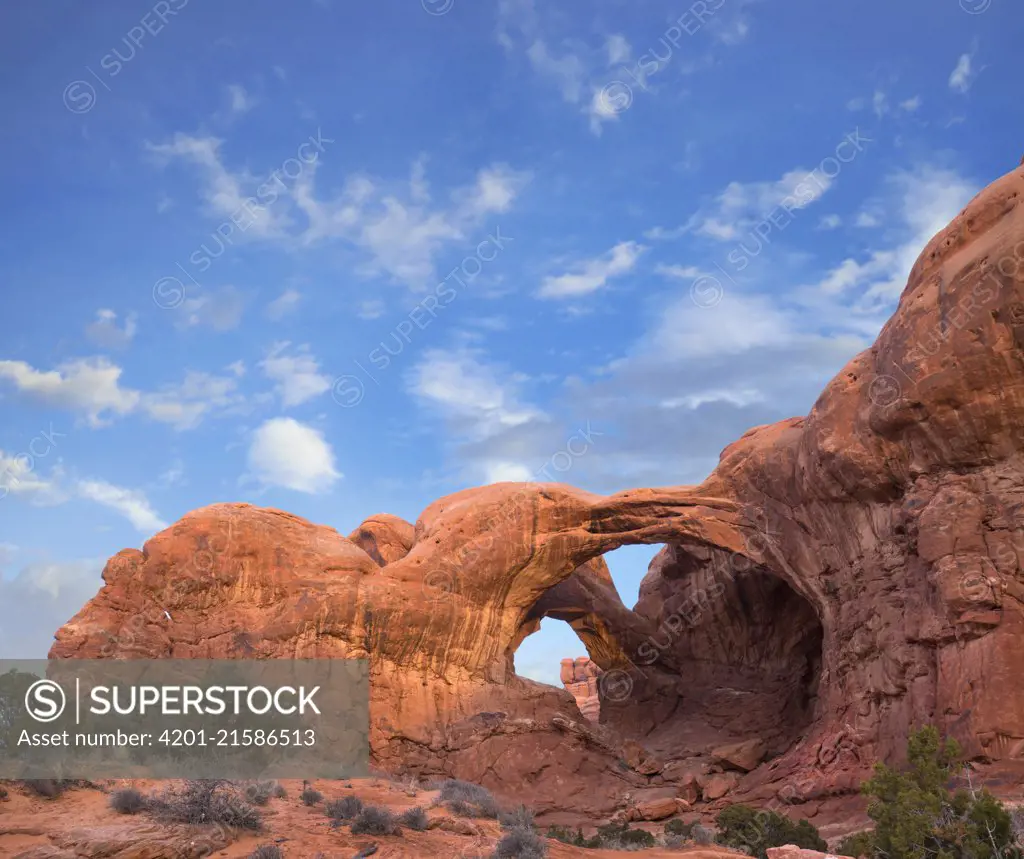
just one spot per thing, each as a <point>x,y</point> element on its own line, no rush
<point>241,101</point>
<point>88,385</point>
<point>716,229</point>
<point>20,475</point>
<point>880,104</point>
<point>40,599</point>
<point>106,333</point>
<point>469,394</point>
<point>370,308</point>
<point>923,201</point>
<point>186,404</point>
<point>678,272</point>
<point>297,377</point>
<point>830,222</point>
<point>402,238</point>
<point>173,475</point>
<point>567,71</point>
<point>866,220</point>
<point>219,309</point>
<point>739,398</point>
<point>734,32</point>
<point>663,234</point>
<point>288,454</point>
<point>393,225</point>
<point>737,324</point>
<point>92,387</point>
<point>591,275</point>
<point>287,302</point>
<point>911,104</point>
<point>224,192</point>
<point>741,205</point>
<point>963,74</point>
<point>506,472</point>
<point>619,50</point>
<point>130,503</point>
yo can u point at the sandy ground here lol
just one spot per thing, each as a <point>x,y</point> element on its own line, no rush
<point>81,824</point>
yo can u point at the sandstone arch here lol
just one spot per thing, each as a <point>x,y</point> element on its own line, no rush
<point>892,510</point>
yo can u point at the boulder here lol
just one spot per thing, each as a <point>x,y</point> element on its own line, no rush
<point>745,755</point>
<point>718,785</point>
<point>790,851</point>
<point>656,809</point>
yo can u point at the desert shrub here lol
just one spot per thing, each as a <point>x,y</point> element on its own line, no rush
<point>611,836</point>
<point>679,827</point>
<point>415,819</point>
<point>520,843</point>
<point>916,815</point>
<point>127,801</point>
<point>345,808</point>
<point>469,800</point>
<point>567,836</point>
<point>1016,820</point>
<point>702,835</point>
<point>744,828</point>
<point>3,792</point>
<point>860,844</point>
<point>260,792</point>
<point>461,808</point>
<point>519,817</point>
<point>310,796</point>
<point>267,851</point>
<point>618,836</point>
<point>206,801</point>
<point>47,788</point>
<point>374,820</point>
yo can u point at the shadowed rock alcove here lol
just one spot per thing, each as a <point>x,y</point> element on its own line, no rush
<point>736,655</point>
<point>718,650</point>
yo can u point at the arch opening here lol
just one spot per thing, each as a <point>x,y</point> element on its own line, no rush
<point>719,650</point>
<point>736,656</point>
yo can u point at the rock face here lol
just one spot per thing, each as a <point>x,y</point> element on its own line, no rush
<point>791,851</point>
<point>579,677</point>
<point>837,580</point>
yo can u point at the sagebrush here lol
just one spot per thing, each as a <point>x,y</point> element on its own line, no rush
<point>375,820</point>
<point>202,801</point>
<point>127,801</point>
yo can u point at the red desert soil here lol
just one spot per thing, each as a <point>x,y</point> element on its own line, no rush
<point>81,823</point>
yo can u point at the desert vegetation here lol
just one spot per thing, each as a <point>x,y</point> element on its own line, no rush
<point>127,800</point>
<point>375,820</point>
<point>310,796</point>
<point>414,818</point>
<point>206,801</point>
<point>343,810</point>
<point>466,799</point>
<point>918,815</point>
<point>261,792</point>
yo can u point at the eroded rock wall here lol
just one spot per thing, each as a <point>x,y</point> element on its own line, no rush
<point>885,524</point>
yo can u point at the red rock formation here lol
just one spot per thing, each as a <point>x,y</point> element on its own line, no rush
<point>384,537</point>
<point>579,677</point>
<point>836,580</point>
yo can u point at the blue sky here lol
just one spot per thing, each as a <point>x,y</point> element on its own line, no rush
<point>347,258</point>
